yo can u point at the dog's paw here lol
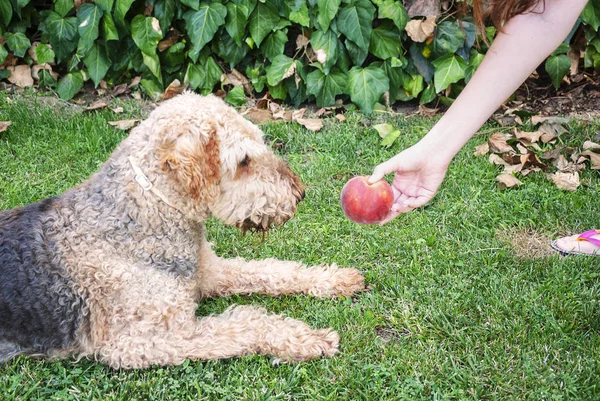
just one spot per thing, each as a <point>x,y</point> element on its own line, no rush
<point>309,344</point>
<point>332,281</point>
<point>347,282</point>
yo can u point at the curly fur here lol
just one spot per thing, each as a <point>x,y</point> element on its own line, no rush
<point>112,270</point>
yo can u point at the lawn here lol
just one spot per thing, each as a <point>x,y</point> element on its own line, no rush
<point>462,305</point>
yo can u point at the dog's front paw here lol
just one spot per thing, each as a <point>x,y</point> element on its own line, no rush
<point>347,282</point>
<point>308,344</point>
<point>331,281</point>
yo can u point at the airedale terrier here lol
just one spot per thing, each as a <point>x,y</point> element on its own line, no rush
<point>114,267</point>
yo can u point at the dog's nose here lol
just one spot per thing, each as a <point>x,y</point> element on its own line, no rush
<point>303,194</point>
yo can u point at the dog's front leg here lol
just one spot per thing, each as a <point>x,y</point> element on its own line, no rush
<point>240,330</point>
<point>222,277</point>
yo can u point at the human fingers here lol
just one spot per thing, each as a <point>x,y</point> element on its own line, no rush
<point>382,169</point>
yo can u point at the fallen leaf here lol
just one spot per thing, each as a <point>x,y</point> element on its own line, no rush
<point>313,124</point>
<point>529,137</point>
<point>566,181</point>
<point>482,150</point>
<point>594,159</point>
<point>552,128</point>
<point>236,78</point>
<point>384,129</point>
<point>117,109</point>
<point>498,143</point>
<point>4,125</point>
<point>120,89</point>
<point>495,159</point>
<point>535,120</point>
<point>340,117</point>
<point>522,149</point>
<point>419,30</point>
<point>124,125</point>
<point>296,114</point>
<point>548,137</point>
<point>258,116</point>
<point>285,115</point>
<point>426,111</point>
<point>589,145</point>
<point>507,180</point>
<point>20,75</point>
<point>35,70</point>
<point>174,89</point>
<point>135,81</point>
<point>98,104</point>
<point>561,163</point>
<point>515,168</point>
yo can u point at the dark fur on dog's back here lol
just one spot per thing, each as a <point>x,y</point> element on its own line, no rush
<point>39,311</point>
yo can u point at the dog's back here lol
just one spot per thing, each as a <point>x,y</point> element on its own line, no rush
<point>39,311</point>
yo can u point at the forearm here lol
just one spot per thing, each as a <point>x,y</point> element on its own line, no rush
<point>526,41</point>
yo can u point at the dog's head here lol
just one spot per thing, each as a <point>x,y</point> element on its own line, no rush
<point>219,160</point>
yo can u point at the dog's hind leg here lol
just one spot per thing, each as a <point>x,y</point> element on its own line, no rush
<point>240,330</point>
<point>222,277</point>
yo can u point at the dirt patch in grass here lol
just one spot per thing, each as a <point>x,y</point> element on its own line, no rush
<point>527,243</point>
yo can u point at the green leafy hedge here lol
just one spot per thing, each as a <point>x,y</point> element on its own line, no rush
<point>300,50</point>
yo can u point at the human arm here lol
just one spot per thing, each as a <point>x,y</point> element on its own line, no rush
<point>524,42</point>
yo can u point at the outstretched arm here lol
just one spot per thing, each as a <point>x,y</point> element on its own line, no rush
<point>524,43</point>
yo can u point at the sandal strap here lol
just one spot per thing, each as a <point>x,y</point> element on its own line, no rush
<point>587,236</point>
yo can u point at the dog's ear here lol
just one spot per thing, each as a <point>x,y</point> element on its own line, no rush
<point>190,155</point>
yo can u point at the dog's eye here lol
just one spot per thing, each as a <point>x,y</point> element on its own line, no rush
<point>245,162</point>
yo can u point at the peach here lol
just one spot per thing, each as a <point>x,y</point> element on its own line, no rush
<point>366,203</point>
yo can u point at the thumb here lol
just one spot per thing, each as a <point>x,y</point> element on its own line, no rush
<point>381,170</point>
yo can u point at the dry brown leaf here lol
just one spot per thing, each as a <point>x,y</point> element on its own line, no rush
<point>507,180</point>
<point>117,109</point>
<point>547,137</point>
<point>419,30</point>
<point>528,137</point>
<point>35,71</point>
<point>594,159</point>
<point>426,111</point>
<point>482,150</point>
<point>574,56</point>
<point>566,181</point>
<point>236,78</point>
<point>495,159</point>
<point>340,117</point>
<point>313,124</point>
<point>301,41</point>
<point>31,51</point>
<point>174,89</point>
<point>124,125</point>
<point>522,149</point>
<point>258,116</point>
<point>4,125</point>
<point>135,81</point>
<point>120,89</point>
<point>589,145</point>
<point>98,104</point>
<point>498,143</point>
<point>20,75</point>
<point>561,163</point>
<point>171,38</point>
<point>535,120</point>
<point>296,114</point>
<point>515,168</point>
<point>285,115</point>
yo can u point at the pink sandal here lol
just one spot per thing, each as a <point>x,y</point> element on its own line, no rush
<point>586,236</point>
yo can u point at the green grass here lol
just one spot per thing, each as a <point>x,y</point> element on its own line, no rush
<point>452,311</point>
